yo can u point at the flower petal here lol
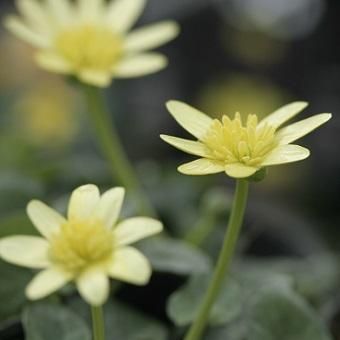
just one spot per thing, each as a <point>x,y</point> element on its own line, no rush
<point>83,201</point>
<point>201,166</point>
<point>34,14</point>
<point>286,154</point>
<point>122,14</point>
<point>90,10</point>
<point>46,282</point>
<point>109,206</point>
<point>192,120</point>
<point>52,62</point>
<point>135,229</point>
<point>130,265</point>
<point>189,146</point>
<point>238,170</point>
<point>96,77</point>
<point>26,251</point>
<point>151,36</point>
<point>93,286</point>
<point>139,65</point>
<point>284,113</point>
<point>61,10</point>
<point>45,219</point>
<point>297,130</point>
<point>22,31</point>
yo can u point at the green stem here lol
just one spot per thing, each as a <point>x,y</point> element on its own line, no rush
<point>108,140</point>
<point>202,230</point>
<point>223,262</point>
<point>98,323</point>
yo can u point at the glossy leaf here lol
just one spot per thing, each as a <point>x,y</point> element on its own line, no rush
<point>183,305</point>
<point>53,322</point>
<point>174,256</point>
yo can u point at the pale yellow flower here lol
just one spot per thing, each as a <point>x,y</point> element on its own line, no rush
<point>241,149</point>
<point>87,247</point>
<point>237,92</point>
<point>90,38</point>
<point>48,111</point>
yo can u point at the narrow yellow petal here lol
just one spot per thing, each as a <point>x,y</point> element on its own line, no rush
<point>151,36</point>
<point>26,251</point>
<point>283,114</point>
<point>189,146</point>
<point>22,31</point>
<point>61,10</point>
<point>130,265</point>
<point>109,206</point>
<point>53,62</point>
<point>134,229</point>
<point>122,14</point>
<point>96,77</point>
<point>46,282</point>
<point>286,154</point>
<point>201,166</point>
<point>194,121</point>
<point>83,201</point>
<point>139,65</point>
<point>90,10</point>
<point>94,287</point>
<point>297,130</point>
<point>44,218</point>
<point>238,170</point>
<point>35,15</point>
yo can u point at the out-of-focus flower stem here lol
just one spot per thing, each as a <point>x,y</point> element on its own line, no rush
<point>109,142</point>
<point>98,323</point>
<point>202,230</point>
<point>223,262</point>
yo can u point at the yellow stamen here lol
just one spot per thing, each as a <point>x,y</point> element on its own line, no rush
<point>80,244</point>
<point>232,142</point>
<point>89,47</point>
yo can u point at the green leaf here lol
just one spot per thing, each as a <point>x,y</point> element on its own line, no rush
<point>254,279</point>
<point>44,321</point>
<point>174,256</point>
<point>13,281</point>
<point>183,305</point>
<point>124,322</point>
<point>234,331</point>
<point>276,314</point>
<point>304,273</point>
<point>272,311</point>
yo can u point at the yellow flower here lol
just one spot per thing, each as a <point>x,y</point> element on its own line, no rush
<point>240,149</point>
<point>90,38</point>
<point>48,111</point>
<point>87,247</point>
<point>243,93</point>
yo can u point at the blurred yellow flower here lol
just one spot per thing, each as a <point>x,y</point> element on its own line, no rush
<point>47,112</point>
<point>238,149</point>
<point>90,39</point>
<point>241,92</point>
<point>87,247</point>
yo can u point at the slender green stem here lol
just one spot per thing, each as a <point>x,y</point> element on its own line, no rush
<point>202,230</point>
<point>98,323</point>
<point>108,140</point>
<point>223,262</point>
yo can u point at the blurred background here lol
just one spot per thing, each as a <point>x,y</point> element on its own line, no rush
<point>250,56</point>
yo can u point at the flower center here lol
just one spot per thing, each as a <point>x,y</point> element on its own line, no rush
<point>81,244</point>
<point>89,47</point>
<point>232,142</point>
